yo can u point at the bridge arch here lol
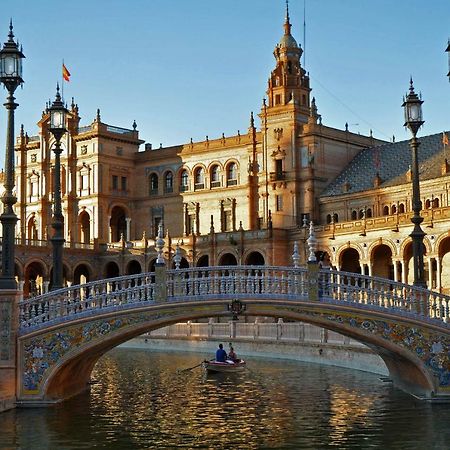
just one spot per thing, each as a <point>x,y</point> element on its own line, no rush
<point>71,373</point>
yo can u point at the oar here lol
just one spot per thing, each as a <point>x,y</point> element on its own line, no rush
<point>190,368</point>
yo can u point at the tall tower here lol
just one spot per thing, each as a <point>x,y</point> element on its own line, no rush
<point>283,118</point>
<point>288,82</point>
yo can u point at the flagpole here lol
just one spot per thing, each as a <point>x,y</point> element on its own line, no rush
<point>62,81</point>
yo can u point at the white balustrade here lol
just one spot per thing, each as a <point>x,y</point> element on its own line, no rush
<point>234,282</point>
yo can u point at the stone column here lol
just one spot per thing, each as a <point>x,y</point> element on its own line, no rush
<point>438,273</point>
<point>404,267</point>
<point>110,229</point>
<point>9,324</point>
<point>430,273</point>
<point>395,270</point>
<point>128,221</point>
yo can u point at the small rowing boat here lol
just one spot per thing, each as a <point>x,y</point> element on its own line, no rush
<point>226,367</point>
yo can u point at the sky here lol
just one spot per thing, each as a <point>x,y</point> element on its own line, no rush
<point>190,68</point>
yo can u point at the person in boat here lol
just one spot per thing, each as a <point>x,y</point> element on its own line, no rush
<point>221,354</point>
<point>232,355</point>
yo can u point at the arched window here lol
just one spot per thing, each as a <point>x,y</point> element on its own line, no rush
<point>232,174</point>
<point>215,176</point>
<point>427,204</point>
<point>184,181</point>
<point>401,208</point>
<point>394,209</point>
<point>354,214</point>
<point>435,203</point>
<point>199,178</point>
<point>168,182</point>
<point>369,212</point>
<point>335,218</point>
<point>328,218</point>
<point>361,214</point>
<point>386,211</point>
<point>153,184</point>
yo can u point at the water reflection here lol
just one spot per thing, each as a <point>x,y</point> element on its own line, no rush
<point>139,400</point>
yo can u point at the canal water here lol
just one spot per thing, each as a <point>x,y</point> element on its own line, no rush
<point>140,400</point>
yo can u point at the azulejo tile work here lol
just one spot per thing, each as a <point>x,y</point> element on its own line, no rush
<point>42,352</point>
<point>432,348</point>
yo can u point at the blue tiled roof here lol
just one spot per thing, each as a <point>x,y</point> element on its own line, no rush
<point>391,161</point>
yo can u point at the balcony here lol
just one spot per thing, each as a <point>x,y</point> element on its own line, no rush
<point>277,176</point>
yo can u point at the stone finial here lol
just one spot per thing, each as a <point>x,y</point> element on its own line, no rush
<point>98,118</point>
<point>295,255</point>
<point>312,243</point>
<point>134,125</point>
<point>159,245</point>
<point>211,228</point>
<point>177,257</point>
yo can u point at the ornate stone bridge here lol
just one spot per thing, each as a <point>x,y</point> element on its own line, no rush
<point>62,334</point>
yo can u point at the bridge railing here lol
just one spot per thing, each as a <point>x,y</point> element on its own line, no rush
<point>240,281</point>
<point>233,282</point>
<point>383,293</point>
<point>87,298</point>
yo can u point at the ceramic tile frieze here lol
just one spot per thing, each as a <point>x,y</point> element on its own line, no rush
<point>431,347</point>
<point>42,352</point>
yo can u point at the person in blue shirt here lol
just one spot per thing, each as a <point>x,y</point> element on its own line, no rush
<point>221,354</point>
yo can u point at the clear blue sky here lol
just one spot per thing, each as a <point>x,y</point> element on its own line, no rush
<point>190,68</point>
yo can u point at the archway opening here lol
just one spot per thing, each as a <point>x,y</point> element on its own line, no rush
<point>112,270</point>
<point>382,265</point>
<point>203,261</point>
<point>118,226</point>
<point>134,267</point>
<point>32,231</point>
<point>444,256</point>
<point>228,259</point>
<point>34,279</point>
<point>408,260</point>
<point>349,261</point>
<point>81,274</point>
<point>255,259</point>
<point>84,228</point>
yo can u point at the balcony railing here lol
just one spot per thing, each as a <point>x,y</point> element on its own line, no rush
<point>277,176</point>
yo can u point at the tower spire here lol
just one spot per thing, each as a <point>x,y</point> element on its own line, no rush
<point>287,23</point>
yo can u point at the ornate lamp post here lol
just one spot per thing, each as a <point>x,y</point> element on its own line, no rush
<point>413,120</point>
<point>11,77</point>
<point>58,128</point>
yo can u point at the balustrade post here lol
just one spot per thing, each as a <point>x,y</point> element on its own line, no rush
<point>232,329</point>
<point>210,327</point>
<point>301,331</point>
<point>313,266</point>
<point>160,282</point>
<point>256,329</point>
<point>324,336</point>
<point>279,328</point>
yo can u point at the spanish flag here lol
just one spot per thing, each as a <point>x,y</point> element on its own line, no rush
<point>444,139</point>
<point>65,73</point>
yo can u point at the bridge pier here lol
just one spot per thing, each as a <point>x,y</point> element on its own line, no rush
<point>9,324</point>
